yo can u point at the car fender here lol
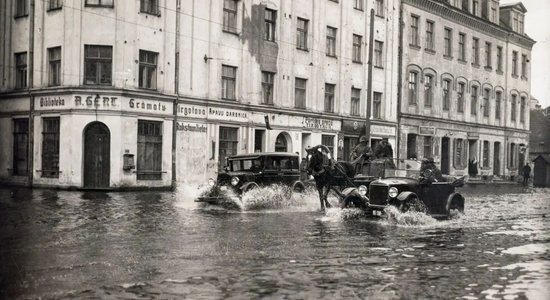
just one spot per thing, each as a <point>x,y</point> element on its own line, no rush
<point>405,195</point>
<point>351,191</point>
<point>248,185</point>
<point>454,197</point>
<point>298,184</point>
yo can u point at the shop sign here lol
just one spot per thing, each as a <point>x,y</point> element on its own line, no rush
<point>317,123</point>
<point>353,127</point>
<point>216,113</point>
<point>51,102</point>
<point>474,135</point>
<point>427,130</point>
<point>97,101</point>
<point>147,105</point>
<point>382,130</point>
<point>192,127</point>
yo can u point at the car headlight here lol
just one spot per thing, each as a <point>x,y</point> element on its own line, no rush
<point>211,182</point>
<point>393,192</point>
<point>234,181</point>
<point>362,190</point>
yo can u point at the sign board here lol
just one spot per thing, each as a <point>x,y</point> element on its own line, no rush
<point>427,130</point>
<point>382,130</point>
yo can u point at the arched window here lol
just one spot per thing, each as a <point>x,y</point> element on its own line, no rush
<point>281,144</point>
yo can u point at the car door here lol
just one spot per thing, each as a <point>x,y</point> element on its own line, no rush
<point>289,170</point>
<point>271,170</point>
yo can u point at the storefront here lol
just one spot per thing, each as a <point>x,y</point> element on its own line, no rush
<point>352,130</point>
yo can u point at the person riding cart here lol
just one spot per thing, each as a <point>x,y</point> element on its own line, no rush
<point>361,151</point>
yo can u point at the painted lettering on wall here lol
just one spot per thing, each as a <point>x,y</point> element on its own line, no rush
<point>139,104</point>
<point>192,111</point>
<point>317,123</point>
<point>192,127</point>
<point>95,101</point>
<point>226,113</point>
<point>51,101</point>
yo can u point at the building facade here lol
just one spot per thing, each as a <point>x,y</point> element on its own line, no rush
<point>116,94</point>
<point>465,87</point>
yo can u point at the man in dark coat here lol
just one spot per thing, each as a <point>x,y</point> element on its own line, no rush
<point>362,149</point>
<point>526,174</point>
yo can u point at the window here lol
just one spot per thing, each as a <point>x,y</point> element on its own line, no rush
<point>448,50</point>
<point>488,54</point>
<point>300,92</point>
<point>446,94</point>
<point>515,23</point>
<point>460,154</point>
<point>98,62</point>
<point>358,4</point>
<point>485,154</point>
<point>377,105</point>
<point>228,144</point>
<point>475,51</point>
<point>512,162</point>
<point>494,9</point>
<point>429,35</point>
<point>411,146</point>
<point>428,90</point>
<point>462,46</point>
<point>329,97</point>
<point>328,140</point>
<point>513,109</point>
<point>150,7</point>
<point>147,69</point>
<point>267,87</point>
<point>50,147</point>
<point>20,146</point>
<point>460,97</point>
<point>413,86</point>
<point>498,100</point>
<point>486,95</point>
<point>21,70</point>
<point>465,5</point>
<point>378,54</point>
<point>414,31</point>
<point>301,34</point>
<point>514,63</point>
<point>380,8</point>
<point>149,150</point>
<point>107,3</point>
<point>473,102</point>
<point>355,101</point>
<point>523,66</point>
<point>331,41</point>
<point>427,146</point>
<point>499,59</point>
<point>520,28</point>
<point>357,41</point>
<point>55,4</point>
<point>21,8</point>
<point>475,7</point>
<point>522,110</point>
<point>230,15</point>
<point>270,19</point>
<point>54,70</point>
<point>229,78</point>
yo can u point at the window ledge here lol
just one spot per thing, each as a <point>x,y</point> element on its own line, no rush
<point>499,72</point>
<point>231,32</point>
<point>447,57</point>
<point>523,78</point>
<point>430,51</point>
<point>416,47</point>
<point>462,61</point>
<point>475,65</point>
<point>359,9</point>
<point>54,9</point>
<point>270,41</point>
<point>99,6</point>
<point>380,16</point>
<point>302,49</point>
<point>150,13</point>
<point>488,68</point>
<point>379,67</point>
<point>333,56</point>
<point>20,16</point>
<point>357,62</point>
<point>147,89</point>
<point>515,76</point>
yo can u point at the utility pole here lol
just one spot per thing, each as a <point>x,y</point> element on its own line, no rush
<point>369,75</point>
<point>176,91</point>
<point>30,83</point>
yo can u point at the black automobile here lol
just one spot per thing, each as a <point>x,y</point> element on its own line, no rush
<point>245,172</point>
<point>439,199</point>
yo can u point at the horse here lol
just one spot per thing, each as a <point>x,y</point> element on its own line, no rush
<point>328,174</point>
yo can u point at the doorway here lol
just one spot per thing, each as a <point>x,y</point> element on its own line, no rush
<point>445,163</point>
<point>97,159</point>
<point>496,159</point>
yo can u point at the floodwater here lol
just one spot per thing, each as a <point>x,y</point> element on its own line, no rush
<point>88,245</point>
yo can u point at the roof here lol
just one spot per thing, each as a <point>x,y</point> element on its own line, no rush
<point>546,157</point>
<point>517,5</point>
<point>258,154</point>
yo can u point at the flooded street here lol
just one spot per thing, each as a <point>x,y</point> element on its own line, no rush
<point>142,245</point>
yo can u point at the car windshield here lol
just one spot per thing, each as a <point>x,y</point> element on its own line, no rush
<point>252,164</point>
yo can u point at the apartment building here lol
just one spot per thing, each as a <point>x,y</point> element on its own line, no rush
<point>117,94</point>
<point>465,85</point>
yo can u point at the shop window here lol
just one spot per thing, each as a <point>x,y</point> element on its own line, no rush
<point>355,101</point>
<point>228,144</point>
<point>459,153</point>
<point>54,72</point>
<point>230,16</point>
<point>411,146</point>
<point>21,70</point>
<point>329,97</point>
<point>149,150</point>
<point>98,61</point>
<point>270,22</point>
<point>148,69</point>
<point>150,7</point>
<point>50,147</point>
<point>485,154</point>
<point>267,87</point>
<point>229,79</point>
<point>20,146</point>
<point>427,146</point>
<point>281,144</point>
<point>328,140</point>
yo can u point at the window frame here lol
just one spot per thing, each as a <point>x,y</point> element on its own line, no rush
<point>302,33</point>
<point>20,147</point>
<point>330,91</point>
<point>448,42</point>
<point>355,102</point>
<point>268,87</point>
<point>98,61</point>
<point>270,24</point>
<point>21,70</point>
<point>230,17</point>
<point>499,58</point>
<point>379,12</point>
<point>55,5</point>
<point>358,4</point>
<point>377,105</point>
<point>21,9</point>
<point>486,102</point>
<point>54,66</point>
<point>446,87</point>
<point>514,63</point>
<point>153,8</point>
<point>148,67</point>
<point>331,41</point>
<point>357,51</point>
<point>414,31</point>
<point>488,55</point>
<point>513,108</point>
<point>228,82</point>
<point>299,90</point>
<point>498,103</point>
<point>460,91</point>
<point>474,100</point>
<point>112,5</point>
<point>149,134</point>
<point>475,51</point>
<point>524,66</point>
<point>462,46</point>
<point>522,103</point>
<point>430,35</point>
<point>412,87</point>
<point>50,147</point>
<point>379,54</point>
<point>428,90</point>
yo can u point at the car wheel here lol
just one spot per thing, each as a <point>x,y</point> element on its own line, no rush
<point>353,202</point>
<point>250,187</point>
<point>411,203</point>
<point>455,206</point>
<point>298,188</point>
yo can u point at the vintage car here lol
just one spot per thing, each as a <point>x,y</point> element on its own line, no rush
<point>245,172</point>
<point>439,199</point>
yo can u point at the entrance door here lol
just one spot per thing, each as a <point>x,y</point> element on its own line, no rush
<point>496,159</point>
<point>445,156</point>
<point>97,160</point>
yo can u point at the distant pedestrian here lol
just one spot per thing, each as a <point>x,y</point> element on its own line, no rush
<point>526,174</point>
<point>472,167</point>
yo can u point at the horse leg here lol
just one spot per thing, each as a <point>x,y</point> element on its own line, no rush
<point>326,190</point>
<point>320,191</point>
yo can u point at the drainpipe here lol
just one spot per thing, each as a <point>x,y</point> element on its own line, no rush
<point>30,63</point>
<point>369,75</point>
<point>176,90</point>
<point>399,80</point>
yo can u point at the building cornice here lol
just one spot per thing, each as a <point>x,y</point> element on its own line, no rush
<point>450,12</point>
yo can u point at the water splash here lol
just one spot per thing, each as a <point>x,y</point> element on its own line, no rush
<point>340,215</point>
<point>409,218</point>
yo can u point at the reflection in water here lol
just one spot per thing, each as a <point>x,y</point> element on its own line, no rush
<point>147,245</point>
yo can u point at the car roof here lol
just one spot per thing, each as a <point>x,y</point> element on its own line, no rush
<point>260,154</point>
